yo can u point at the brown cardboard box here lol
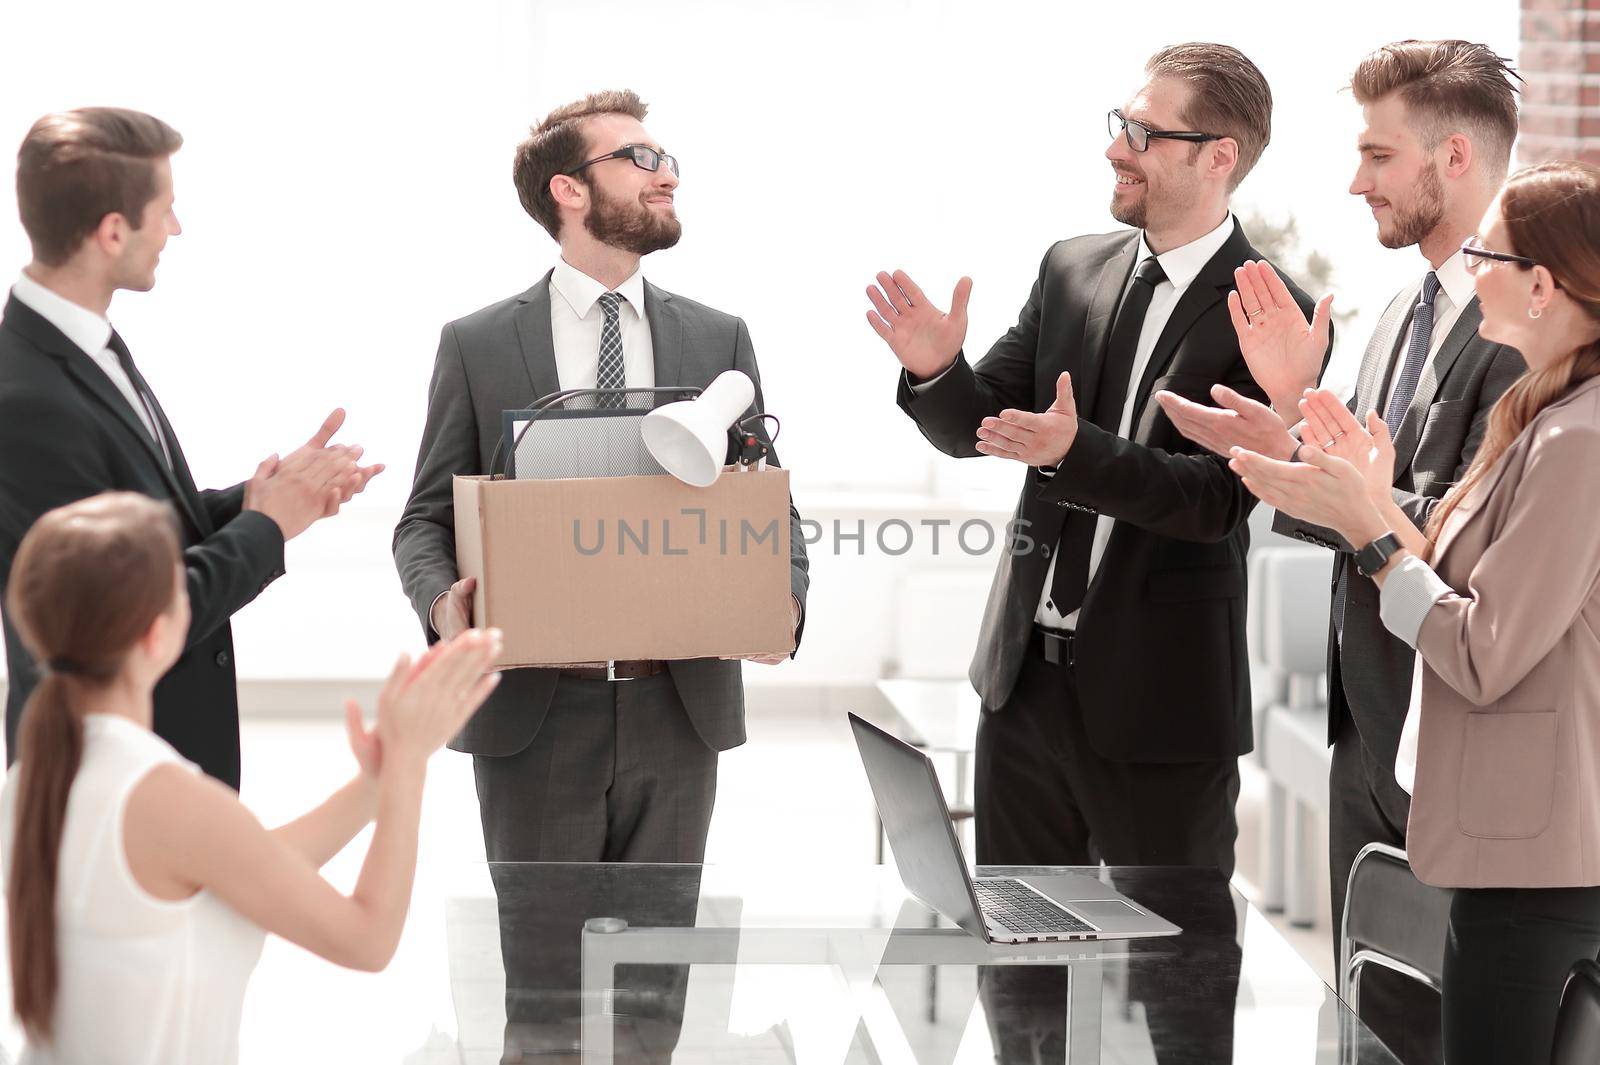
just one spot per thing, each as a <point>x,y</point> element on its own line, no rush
<point>593,569</point>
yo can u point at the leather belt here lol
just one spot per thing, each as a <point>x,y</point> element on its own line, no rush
<point>1054,646</point>
<point>633,670</point>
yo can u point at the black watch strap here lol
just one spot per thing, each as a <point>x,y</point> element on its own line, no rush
<point>1370,559</point>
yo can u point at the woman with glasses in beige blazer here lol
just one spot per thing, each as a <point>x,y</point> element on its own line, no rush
<point>1500,595</point>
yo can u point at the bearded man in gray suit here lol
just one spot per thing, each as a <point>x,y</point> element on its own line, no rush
<point>570,764</point>
<point>616,763</point>
<point>1440,118</point>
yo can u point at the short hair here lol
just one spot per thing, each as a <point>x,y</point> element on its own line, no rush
<point>1447,87</point>
<point>557,145</point>
<point>1230,97</point>
<point>76,167</point>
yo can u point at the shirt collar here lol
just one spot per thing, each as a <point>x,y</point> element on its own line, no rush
<point>1183,265</point>
<point>88,330</point>
<point>1455,280</point>
<point>582,291</point>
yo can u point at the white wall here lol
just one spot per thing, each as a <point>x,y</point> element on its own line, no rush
<point>345,190</point>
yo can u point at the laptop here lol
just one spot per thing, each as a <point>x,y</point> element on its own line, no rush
<point>1005,909</point>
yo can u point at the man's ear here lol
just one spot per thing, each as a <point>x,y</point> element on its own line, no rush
<point>111,235</point>
<point>568,191</point>
<point>1458,153</point>
<point>1224,157</point>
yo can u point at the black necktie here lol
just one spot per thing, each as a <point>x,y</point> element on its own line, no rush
<point>1071,581</point>
<point>142,390</point>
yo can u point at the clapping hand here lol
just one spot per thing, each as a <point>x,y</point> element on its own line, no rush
<point>1283,351</point>
<point>925,339</point>
<point>1329,425</point>
<point>1037,439</point>
<point>1238,421</point>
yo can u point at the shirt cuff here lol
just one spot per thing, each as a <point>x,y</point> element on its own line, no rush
<point>918,388</point>
<point>1408,593</point>
<point>432,607</point>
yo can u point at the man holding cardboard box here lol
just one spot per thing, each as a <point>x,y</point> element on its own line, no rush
<point>615,762</point>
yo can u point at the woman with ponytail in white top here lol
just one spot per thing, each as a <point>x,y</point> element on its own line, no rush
<point>140,890</point>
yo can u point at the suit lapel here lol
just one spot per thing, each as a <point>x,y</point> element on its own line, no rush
<point>93,381</point>
<point>1096,329</point>
<point>180,465</point>
<point>666,336</point>
<point>1379,357</point>
<point>1462,333</point>
<point>536,340</point>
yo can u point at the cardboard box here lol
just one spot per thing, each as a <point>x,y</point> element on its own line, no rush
<point>593,569</point>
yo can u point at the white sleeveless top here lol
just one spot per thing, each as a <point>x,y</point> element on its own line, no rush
<point>143,980</point>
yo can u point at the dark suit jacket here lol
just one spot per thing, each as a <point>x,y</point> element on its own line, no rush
<point>1161,661</point>
<point>66,433</point>
<point>502,358</point>
<point>1370,679</point>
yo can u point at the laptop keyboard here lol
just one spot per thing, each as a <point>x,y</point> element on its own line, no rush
<point>1011,905</point>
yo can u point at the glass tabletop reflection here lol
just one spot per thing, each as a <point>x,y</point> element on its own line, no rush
<point>663,963</point>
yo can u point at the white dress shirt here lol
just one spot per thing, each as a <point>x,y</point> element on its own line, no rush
<point>575,322</point>
<point>90,333</point>
<point>1182,266</point>
<point>1455,292</point>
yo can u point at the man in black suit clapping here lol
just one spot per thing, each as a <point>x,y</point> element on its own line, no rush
<point>94,188</point>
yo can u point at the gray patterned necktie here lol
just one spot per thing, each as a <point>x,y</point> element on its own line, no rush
<point>1416,355</point>
<point>1410,372</point>
<point>611,374</point>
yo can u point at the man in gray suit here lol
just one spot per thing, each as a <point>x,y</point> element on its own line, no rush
<point>637,755</point>
<point>1440,120</point>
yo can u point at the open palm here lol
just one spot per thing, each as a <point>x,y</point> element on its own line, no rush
<point>925,339</point>
<point>1283,351</point>
<point>1329,425</point>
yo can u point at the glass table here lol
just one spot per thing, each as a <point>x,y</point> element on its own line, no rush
<point>658,963</point>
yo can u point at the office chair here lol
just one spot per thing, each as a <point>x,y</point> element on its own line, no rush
<point>1578,1024</point>
<point>1391,919</point>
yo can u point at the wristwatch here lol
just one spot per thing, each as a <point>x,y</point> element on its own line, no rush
<point>1370,559</point>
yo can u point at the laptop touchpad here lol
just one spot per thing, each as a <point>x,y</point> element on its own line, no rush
<point>1098,912</point>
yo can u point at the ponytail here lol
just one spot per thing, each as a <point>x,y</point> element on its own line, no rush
<point>50,748</point>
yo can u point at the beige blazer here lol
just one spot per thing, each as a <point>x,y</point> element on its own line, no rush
<point>1508,758</point>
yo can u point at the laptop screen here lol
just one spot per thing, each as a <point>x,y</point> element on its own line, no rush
<point>917,822</point>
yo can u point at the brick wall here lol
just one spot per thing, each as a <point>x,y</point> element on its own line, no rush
<point>1561,98</point>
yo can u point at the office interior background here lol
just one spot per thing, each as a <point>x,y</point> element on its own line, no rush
<point>345,189</point>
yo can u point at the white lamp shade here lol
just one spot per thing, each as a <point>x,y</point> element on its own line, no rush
<point>690,438</point>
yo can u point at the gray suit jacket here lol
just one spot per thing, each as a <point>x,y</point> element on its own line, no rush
<point>502,358</point>
<point>1369,677</point>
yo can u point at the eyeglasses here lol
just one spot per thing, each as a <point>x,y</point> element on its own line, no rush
<point>1477,256</point>
<point>1140,135</point>
<point>644,157</point>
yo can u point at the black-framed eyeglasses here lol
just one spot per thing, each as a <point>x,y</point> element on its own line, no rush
<point>644,157</point>
<point>1140,135</point>
<point>1476,256</point>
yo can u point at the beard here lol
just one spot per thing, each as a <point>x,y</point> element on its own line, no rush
<point>1418,218</point>
<point>1174,196</point>
<point>630,225</point>
<point>1135,213</point>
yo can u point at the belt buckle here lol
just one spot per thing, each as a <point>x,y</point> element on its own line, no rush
<point>611,671</point>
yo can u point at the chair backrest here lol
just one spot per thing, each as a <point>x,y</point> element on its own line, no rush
<point>1290,617</point>
<point>1389,912</point>
<point>1578,1023</point>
